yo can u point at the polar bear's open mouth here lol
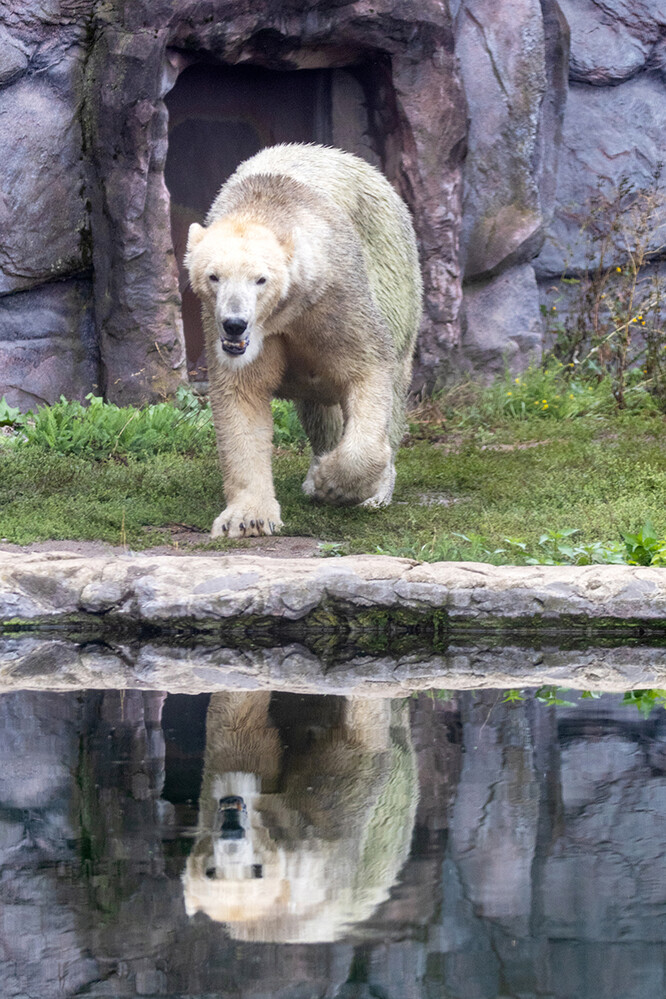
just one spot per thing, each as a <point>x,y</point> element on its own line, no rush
<point>235,347</point>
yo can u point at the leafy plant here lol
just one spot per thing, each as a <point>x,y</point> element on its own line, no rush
<point>331,549</point>
<point>10,416</point>
<point>287,429</point>
<point>645,548</point>
<point>551,696</point>
<point>559,548</point>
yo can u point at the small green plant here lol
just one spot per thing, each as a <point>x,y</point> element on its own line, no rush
<point>551,697</point>
<point>645,548</point>
<point>10,416</point>
<point>559,548</point>
<point>331,549</point>
<point>287,429</point>
<point>435,694</point>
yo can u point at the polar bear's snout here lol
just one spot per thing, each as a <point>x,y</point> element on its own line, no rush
<point>236,337</point>
<point>234,813</point>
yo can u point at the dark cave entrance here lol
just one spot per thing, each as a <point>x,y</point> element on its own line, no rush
<point>220,115</point>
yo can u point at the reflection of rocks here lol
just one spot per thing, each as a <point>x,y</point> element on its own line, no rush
<point>39,750</point>
<point>496,815</point>
<point>613,797</point>
<point>342,668</point>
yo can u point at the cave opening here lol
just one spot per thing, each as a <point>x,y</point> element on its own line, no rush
<point>219,115</point>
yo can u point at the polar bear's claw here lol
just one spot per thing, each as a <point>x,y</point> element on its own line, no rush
<point>231,524</point>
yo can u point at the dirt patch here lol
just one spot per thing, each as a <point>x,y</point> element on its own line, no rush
<point>522,446</point>
<point>183,543</point>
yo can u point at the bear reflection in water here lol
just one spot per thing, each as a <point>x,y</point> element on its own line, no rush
<point>305,815</point>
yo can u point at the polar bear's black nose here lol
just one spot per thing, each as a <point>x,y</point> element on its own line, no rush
<point>234,326</point>
<point>233,809</point>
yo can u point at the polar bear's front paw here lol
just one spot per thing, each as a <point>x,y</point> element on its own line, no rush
<point>333,482</point>
<point>247,520</point>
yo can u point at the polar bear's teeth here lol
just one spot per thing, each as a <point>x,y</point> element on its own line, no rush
<point>235,346</point>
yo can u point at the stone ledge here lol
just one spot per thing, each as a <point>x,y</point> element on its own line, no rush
<point>364,593</point>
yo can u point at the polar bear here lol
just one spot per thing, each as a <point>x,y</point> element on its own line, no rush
<point>300,842</point>
<point>310,289</point>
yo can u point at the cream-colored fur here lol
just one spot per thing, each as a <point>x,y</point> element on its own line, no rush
<point>310,290</point>
<point>328,818</point>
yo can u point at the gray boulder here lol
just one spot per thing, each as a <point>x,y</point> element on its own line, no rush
<point>42,209</point>
<point>502,53</point>
<point>501,323</point>
<point>47,344</point>
<point>13,57</point>
<point>628,123</point>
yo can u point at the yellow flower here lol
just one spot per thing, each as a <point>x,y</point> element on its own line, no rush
<point>546,401</point>
<point>619,270</point>
<point>509,393</point>
<point>545,406</point>
<point>571,395</point>
<point>554,308</point>
<point>517,381</point>
<point>640,317</point>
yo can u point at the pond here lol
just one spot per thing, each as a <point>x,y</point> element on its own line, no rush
<point>254,843</point>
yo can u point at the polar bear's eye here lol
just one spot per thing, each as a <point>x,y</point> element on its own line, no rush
<point>213,277</point>
<point>262,280</point>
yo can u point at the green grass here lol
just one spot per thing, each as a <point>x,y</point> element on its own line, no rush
<point>478,479</point>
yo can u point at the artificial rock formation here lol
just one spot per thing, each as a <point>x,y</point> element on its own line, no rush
<point>492,120</point>
<point>86,196</point>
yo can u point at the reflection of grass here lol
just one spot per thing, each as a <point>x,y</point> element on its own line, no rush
<point>473,483</point>
<point>552,696</point>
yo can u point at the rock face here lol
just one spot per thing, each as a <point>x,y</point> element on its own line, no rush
<point>550,98</point>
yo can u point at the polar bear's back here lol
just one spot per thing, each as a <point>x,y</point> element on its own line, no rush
<point>378,214</point>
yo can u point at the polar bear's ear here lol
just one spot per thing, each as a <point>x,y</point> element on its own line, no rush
<point>195,235</point>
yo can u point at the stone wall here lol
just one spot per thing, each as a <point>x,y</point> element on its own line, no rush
<point>563,96</point>
<point>556,97</point>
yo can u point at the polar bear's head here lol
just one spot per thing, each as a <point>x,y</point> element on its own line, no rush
<point>255,873</point>
<point>240,271</point>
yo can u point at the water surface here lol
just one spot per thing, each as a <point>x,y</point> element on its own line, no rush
<point>418,847</point>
